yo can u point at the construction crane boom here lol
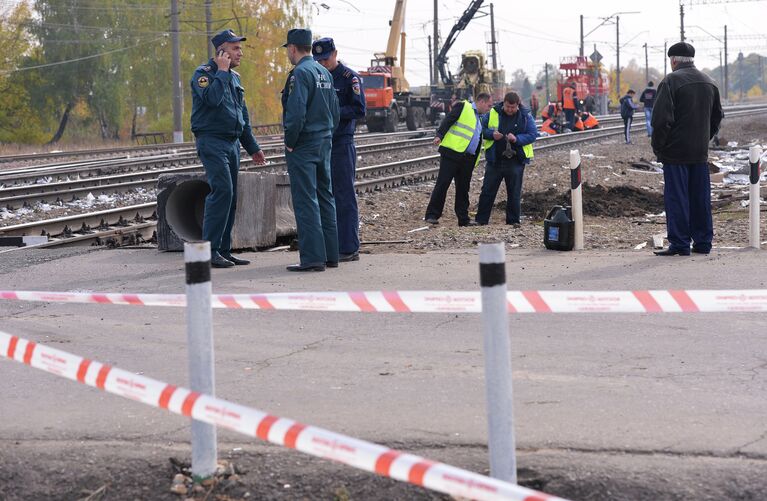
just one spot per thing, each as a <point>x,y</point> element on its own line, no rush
<point>460,25</point>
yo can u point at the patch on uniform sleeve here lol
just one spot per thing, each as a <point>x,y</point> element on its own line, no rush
<point>356,85</point>
<point>291,82</point>
<point>203,82</point>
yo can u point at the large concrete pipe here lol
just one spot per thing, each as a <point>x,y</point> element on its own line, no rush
<point>264,210</point>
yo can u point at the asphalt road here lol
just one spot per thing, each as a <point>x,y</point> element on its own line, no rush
<point>625,398</point>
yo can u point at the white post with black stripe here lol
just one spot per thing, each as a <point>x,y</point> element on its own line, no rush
<point>495,329</point>
<point>576,197</point>
<point>199,315</point>
<point>754,156</point>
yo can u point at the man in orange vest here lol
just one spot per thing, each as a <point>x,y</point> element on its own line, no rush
<point>569,99</point>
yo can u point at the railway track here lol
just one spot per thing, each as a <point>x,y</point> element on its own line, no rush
<point>269,142</point>
<point>136,222</point>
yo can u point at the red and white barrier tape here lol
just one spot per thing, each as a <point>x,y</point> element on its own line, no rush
<point>646,301</point>
<point>255,423</point>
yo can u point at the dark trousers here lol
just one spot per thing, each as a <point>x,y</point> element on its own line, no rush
<point>687,197</point>
<point>221,160</point>
<point>495,173</point>
<point>460,169</point>
<point>312,193</point>
<point>627,128</point>
<point>343,163</point>
<point>570,116</point>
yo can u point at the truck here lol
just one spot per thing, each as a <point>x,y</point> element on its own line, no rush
<point>591,84</point>
<point>387,91</point>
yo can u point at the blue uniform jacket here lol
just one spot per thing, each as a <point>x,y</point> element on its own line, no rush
<point>627,106</point>
<point>351,100</point>
<point>218,106</point>
<point>309,103</point>
<point>521,124</point>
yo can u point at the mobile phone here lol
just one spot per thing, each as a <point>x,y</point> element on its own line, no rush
<point>220,53</point>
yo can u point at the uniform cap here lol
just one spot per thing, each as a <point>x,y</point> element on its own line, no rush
<point>225,36</point>
<point>323,48</point>
<point>682,49</point>
<point>299,36</point>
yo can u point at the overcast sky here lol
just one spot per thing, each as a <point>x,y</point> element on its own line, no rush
<point>531,33</point>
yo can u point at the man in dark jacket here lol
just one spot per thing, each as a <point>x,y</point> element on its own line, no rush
<point>459,137</point>
<point>686,115</point>
<point>627,113</point>
<point>648,100</point>
<point>509,132</point>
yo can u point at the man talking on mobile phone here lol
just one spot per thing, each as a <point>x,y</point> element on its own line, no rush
<point>220,123</point>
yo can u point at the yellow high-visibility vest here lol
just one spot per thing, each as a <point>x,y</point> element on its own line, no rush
<point>458,136</point>
<point>492,123</point>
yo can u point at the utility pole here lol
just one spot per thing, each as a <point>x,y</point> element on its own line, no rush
<point>665,58</point>
<point>493,41</point>
<point>761,73</point>
<point>681,20</point>
<point>580,52</point>
<point>178,101</point>
<point>646,65</point>
<point>546,72</point>
<point>436,41</point>
<point>618,56</point>
<point>209,26</point>
<point>726,71</point>
<point>431,64</point>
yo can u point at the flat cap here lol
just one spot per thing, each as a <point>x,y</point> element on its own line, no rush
<point>682,49</point>
<point>299,36</point>
<point>225,36</point>
<point>323,48</point>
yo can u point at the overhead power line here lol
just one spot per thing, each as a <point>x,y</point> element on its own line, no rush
<point>92,56</point>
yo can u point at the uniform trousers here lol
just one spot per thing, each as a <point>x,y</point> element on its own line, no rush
<point>687,198</point>
<point>313,204</point>
<point>343,164</point>
<point>221,159</point>
<point>495,173</point>
<point>460,168</point>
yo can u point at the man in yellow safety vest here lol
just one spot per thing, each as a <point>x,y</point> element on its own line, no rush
<point>459,137</point>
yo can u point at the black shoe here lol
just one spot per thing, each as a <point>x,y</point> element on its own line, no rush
<point>469,223</point>
<point>235,260</point>
<point>515,225</point>
<point>346,258</point>
<point>331,264</point>
<point>306,267</point>
<point>672,252</point>
<point>701,251</point>
<point>218,261</point>
<point>431,220</point>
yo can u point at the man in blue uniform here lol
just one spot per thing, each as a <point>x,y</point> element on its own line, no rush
<point>343,156</point>
<point>220,123</point>
<point>310,115</point>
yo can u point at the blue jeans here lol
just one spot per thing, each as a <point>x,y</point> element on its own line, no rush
<point>687,197</point>
<point>647,118</point>
<point>495,173</point>
<point>221,160</point>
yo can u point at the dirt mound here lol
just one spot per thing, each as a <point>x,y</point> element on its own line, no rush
<point>620,201</point>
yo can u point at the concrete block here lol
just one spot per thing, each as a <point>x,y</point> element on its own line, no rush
<point>286,218</point>
<point>262,201</point>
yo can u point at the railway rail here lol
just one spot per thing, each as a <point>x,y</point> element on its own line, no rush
<point>136,223</point>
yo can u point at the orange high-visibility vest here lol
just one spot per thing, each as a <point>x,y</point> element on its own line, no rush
<point>546,127</point>
<point>579,124</point>
<point>591,121</point>
<point>567,98</point>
